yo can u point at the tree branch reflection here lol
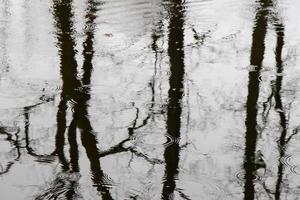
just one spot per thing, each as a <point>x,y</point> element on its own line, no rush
<point>78,93</point>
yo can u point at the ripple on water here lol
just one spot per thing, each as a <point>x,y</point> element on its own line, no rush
<point>240,175</point>
<point>106,181</point>
<point>266,77</point>
<point>126,15</point>
<point>63,183</point>
<point>198,4</point>
<point>288,163</point>
<point>152,139</point>
<point>204,187</point>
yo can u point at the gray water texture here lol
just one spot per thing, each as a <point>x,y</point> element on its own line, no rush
<point>149,99</point>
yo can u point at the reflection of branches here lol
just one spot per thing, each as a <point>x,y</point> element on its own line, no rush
<point>126,144</point>
<point>63,15</point>
<point>200,38</point>
<point>283,141</point>
<point>276,92</point>
<point>62,12</point>
<point>15,143</point>
<point>182,194</point>
<point>267,107</point>
<point>294,132</point>
<point>121,146</point>
<point>279,108</point>
<point>30,151</point>
<point>6,168</point>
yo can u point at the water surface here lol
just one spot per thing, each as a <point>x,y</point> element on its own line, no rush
<point>138,99</point>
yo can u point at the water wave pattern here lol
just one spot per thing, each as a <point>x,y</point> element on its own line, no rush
<point>149,99</point>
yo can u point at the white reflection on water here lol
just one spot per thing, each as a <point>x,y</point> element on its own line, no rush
<point>130,102</point>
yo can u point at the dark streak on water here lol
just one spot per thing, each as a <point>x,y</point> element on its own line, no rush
<point>63,13</point>
<point>256,59</point>
<point>176,56</point>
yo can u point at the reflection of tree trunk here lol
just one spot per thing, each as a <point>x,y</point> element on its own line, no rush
<point>60,133</point>
<point>90,144</point>
<point>176,55</point>
<point>257,55</point>
<point>70,83</point>
<point>66,45</point>
<point>79,96</point>
<point>283,122</point>
<point>81,109</point>
<point>73,147</point>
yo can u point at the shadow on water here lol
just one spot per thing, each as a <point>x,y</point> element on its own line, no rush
<point>256,59</point>
<point>176,58</point>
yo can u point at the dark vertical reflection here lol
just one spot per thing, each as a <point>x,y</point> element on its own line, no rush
<point>256,58</point>
<point>68,68</point>
<point>62,12</point>
<point>73,147</point>
<point>26,131</point>
<point>61,127</point>
<point>81,108</point>
<point>279,107</point>
<point>176,56</point>
<point>78,92</point>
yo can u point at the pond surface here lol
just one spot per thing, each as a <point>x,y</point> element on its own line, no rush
<point>149,99</point>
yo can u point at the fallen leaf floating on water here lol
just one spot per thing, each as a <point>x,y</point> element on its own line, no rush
<point>108,34</point>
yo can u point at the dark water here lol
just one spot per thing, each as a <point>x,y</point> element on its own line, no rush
<point>147,100</point>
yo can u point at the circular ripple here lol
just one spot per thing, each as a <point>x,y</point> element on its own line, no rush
<point>241,176</point>
<point>154,139</point>
<point>286,160</point>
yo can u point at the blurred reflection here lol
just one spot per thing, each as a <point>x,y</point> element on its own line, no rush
<point>80,116</point>
<point>283,139</point>
<point>176,57</point>
<point>148,120</point>
<point>63,15</point>
<point>256,58</point>
<point>254,160</point>
<point>77,92</point>
<point>279,107</point>
<point>64,185</point>
<point>14,154</point>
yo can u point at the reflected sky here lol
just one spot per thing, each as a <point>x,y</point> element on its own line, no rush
<point>149,99</point>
